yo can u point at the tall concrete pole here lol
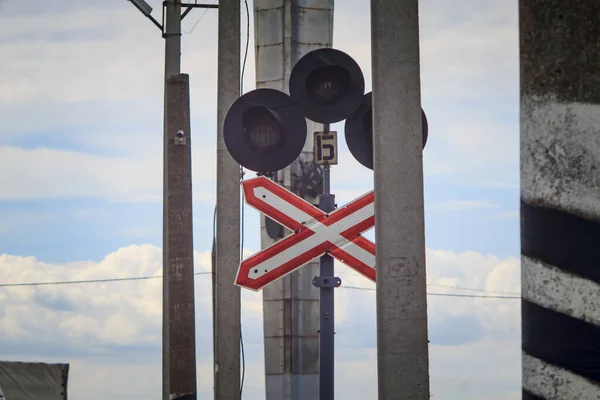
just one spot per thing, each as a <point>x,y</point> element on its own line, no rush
<point>182,342</point>
<point>227,318</point>
<point>172,68</point>
<point>560,198</point>
<point>284,32</point>
<point>402,345</point>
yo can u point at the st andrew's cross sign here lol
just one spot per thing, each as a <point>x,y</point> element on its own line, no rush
<point>314,233</point>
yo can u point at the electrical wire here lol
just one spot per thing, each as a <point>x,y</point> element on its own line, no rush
<point>242,225</point>
<point>441,294</point>
<point>242,228</point>
<point>142,278</point>
<point>473,289</point>
<point>206,10</point>
<point>75,282</point>
<point>247,47</point>
<point>348,273</point>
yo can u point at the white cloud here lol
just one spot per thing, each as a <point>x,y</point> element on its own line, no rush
<point>506,215</point>
<point>102,53</point>
<point>83,78</point>
<point>14,220</point>
<point>99,327</point>
<point>469,82</point>
<point>465,205</point>
<point>91,74</point>
<point>77,70</point>
<point>45,173</point>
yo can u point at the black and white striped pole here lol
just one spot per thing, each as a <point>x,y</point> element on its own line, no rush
<point>560,198</point>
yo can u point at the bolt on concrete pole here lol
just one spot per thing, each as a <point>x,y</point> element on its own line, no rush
<point>560,198</point>
<point>172,67</point>
<point>227,318</point>
<point>402,345</point>
<point>182,341</point>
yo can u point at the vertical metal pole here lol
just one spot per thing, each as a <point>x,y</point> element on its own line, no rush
<point>402,345</point>
<point>172,67</point>
<point>227,327</point>
<point>560,198</point>
<point>182,341</point>
<point>326,283</point>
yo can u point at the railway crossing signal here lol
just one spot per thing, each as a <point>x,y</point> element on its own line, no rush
<point>265,131</point>
<point>314,233</point>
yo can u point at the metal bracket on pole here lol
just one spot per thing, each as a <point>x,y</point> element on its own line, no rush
<point>190,6</point>
<point>196,5</point>
<point>147,14</point>
<point>327,281</point>
<point>186,12</point>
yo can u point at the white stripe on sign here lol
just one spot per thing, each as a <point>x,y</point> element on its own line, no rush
<point>359,253</point>
<point>321,234</point>
<point>282,205</point>
<point>554,383</point>
<point>560,291</point>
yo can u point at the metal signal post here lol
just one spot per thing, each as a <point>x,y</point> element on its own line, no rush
<point>265,131</point>
<point>326,284</point>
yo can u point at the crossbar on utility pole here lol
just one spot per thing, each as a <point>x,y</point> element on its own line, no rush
<point>228,307</point>
<point>402,345</point>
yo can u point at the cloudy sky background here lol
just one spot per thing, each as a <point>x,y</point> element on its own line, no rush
<point>80,196</point>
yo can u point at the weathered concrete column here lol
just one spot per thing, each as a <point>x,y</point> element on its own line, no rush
<point>285,30</point>
<point>402,345</point>
<point>172,68</point>
<point>560,198</point>
<point>228,305</point>
<point>182,316</point>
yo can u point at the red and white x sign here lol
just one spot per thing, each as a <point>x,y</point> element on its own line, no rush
<point>314,233</point>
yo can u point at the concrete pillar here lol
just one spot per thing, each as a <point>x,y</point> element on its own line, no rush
<point>182,341</point>
<point>285,30</point>
<point>560,198</point>
<point>172,68</point>
<point>402,345</point>
<point>228,305</point>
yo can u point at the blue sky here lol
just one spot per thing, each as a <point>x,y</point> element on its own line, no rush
<point>80,196</point>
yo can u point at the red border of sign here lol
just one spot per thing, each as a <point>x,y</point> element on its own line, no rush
<point>301,233</point>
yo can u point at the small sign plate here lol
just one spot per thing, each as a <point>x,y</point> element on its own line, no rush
<point>326,151</point>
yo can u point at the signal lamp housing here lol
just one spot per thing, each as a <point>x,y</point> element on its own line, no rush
<point>327,85</point>
<point>359,132</point>
<point>264,131</point>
